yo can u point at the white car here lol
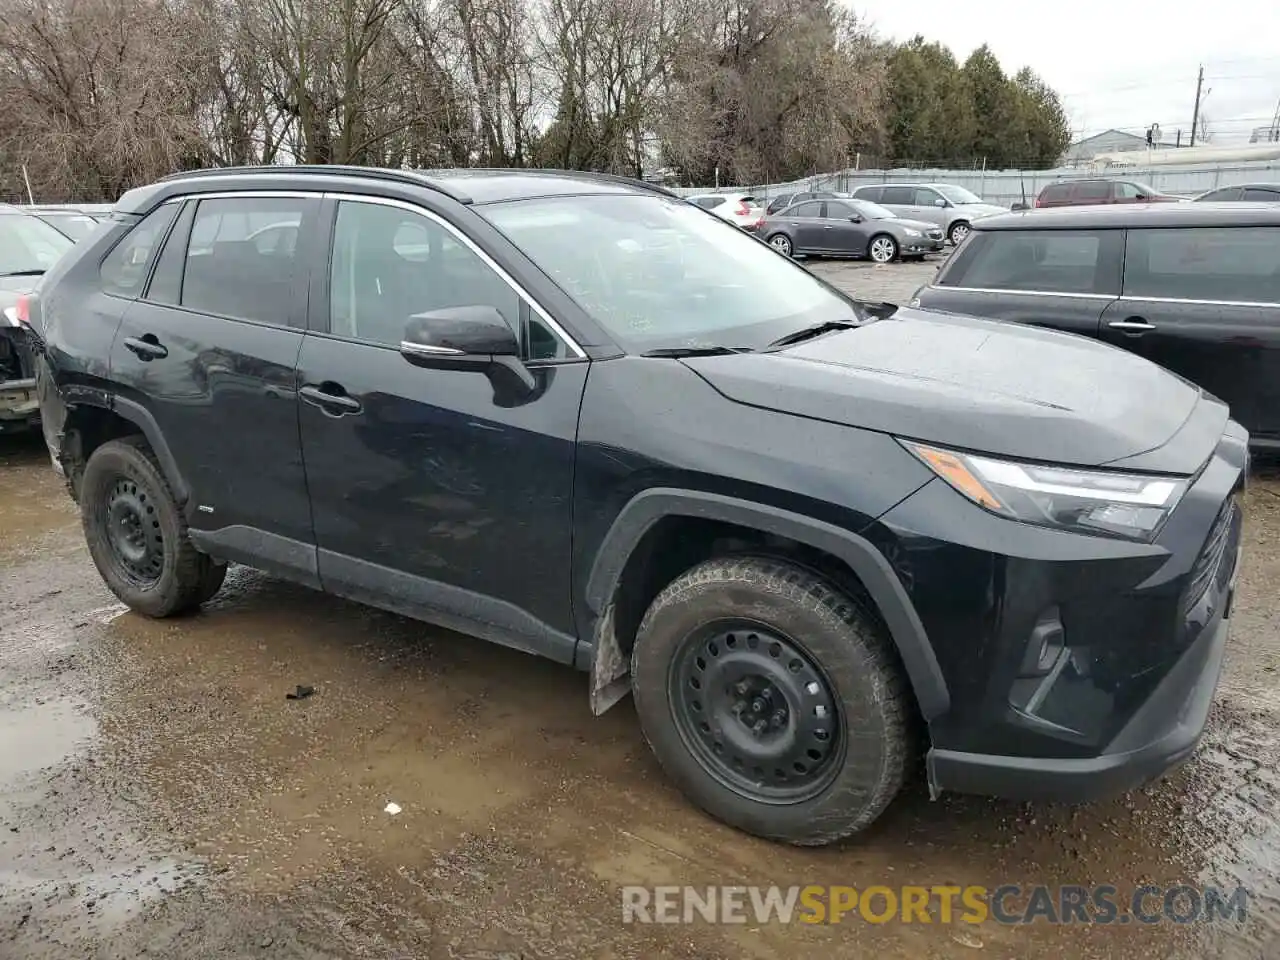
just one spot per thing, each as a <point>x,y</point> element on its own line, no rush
<point>740,209</point>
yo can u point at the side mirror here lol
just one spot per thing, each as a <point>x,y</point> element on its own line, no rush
<point>939,202</point>
<point>467,338</point>
<point>1142,196</point>
<point>1018,205</point>
<point>856,218</point>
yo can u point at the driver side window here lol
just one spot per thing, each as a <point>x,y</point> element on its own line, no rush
<point>390,264</point>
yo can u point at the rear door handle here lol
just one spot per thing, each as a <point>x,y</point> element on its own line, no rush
<point>331,398</point>
<point>146,347</point>
<point>1131,325</point>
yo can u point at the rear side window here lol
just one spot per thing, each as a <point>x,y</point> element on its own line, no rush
<point>124,270</point>
<point>903,195</point>
<point>1209,263</point>
<point>811,209</point>
<point>1056,191</point>
<point>1044,261</point>
<point>240,258</point>
<point>1094,190</point>
<point>1262,194</point>
<point>869,193</point>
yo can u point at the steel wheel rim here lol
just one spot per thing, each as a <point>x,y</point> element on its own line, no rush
<point>133,532</point>
<point>781,244</point>
<point>756,712</point>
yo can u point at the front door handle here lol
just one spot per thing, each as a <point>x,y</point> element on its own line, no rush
<point>146,347</point>
<point>1132,325</point>
<point>330,398</point>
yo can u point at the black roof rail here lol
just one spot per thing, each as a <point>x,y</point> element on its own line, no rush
<point>417,178</point>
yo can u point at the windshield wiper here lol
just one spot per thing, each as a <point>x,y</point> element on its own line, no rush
<point>816,330</point>
<point>675,353</point>
<point>23,273</point>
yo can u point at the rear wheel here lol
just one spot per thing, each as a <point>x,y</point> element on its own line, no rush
<point>137,535</point>
<point>772,699</point>
<point>959,230</point>
<point>882,248</point>
<point>782,243</point>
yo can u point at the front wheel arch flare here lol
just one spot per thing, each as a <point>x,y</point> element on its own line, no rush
<point>859,554</point>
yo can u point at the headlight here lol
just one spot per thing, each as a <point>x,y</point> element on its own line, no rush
<point>912,233</point>
<point>1129,505</point>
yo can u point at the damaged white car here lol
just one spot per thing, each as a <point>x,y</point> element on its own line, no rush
<point>28,247</point>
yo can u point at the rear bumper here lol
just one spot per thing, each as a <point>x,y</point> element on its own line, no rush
<point>1163,733</point>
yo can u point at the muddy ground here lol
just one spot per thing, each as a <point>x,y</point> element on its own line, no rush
<point>160,796</point>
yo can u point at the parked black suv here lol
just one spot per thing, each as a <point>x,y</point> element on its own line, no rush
<point>1192,287</point>
<point>574,415</point>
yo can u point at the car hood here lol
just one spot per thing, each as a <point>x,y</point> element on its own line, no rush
<point>983,385</point>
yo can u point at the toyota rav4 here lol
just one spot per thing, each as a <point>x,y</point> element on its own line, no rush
<point>814,538</point>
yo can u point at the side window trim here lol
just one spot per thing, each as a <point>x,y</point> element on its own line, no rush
<point>577,352</point>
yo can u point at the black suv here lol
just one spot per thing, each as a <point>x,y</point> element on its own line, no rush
<point>1193,287</point>
<point>577,416</point>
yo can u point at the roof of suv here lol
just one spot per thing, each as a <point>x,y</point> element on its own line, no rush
<point>463,185</point>
<point>1122,216</point>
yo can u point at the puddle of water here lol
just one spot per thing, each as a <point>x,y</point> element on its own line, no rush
<point>41,734</point>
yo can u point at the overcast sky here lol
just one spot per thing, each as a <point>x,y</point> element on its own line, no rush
<point>1124,63</point>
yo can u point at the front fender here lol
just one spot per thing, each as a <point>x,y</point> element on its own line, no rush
<point>867,563</point>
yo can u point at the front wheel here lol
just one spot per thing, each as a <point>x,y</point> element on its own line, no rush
<point>137,534</point>
<point>959,230</point>
<point>883,249</point>
<point>782,243</point>
<point>772,699</point>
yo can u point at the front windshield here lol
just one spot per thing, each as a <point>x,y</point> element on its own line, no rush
<point>958,194</point>
<point>660,274</point>
<point>29,245</point>
<point>77,226</point>
<point>872,211</point>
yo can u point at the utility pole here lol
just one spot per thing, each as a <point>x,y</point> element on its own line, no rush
<point>1195,114</point>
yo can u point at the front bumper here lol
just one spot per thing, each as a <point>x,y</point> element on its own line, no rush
<point>1163,733</point>
<point>1076,666</point>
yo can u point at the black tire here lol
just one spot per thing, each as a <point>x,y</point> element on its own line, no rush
<point>183,577</point>
<point>849,647</point>
<point>957,232</point>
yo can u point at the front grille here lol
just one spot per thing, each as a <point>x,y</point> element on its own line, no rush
<point>15,355</point>
<point>1219,553</point>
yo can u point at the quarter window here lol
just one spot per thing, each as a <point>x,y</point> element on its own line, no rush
<point>390,264</point>
<point>124,270</point>
<point>1046,261</point>
<point>1210,263</point>
<point>239,262</point>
